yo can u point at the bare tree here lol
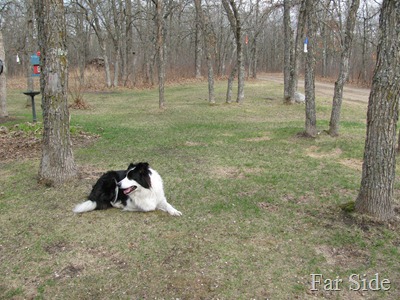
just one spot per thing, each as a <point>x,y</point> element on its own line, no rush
<point>378,172</point>
<point>197,39</point>
<point>343,68</point>
<point>57,163</point>
<point>235,21</point>
<point>126,38</point>
<point>256,22</point>
<point>78,40</point>
<point>309,80</point>
<point>128,55</point>
<point>288,51</point>
<point>292,79</point>
<point>93,18</point>
<point>325,36</point>
<point>208,38</point>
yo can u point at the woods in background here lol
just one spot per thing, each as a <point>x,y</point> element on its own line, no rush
<point>120,38</point>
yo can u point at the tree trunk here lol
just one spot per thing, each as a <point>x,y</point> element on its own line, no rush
<point>230,84</point>
<point>129,57</point>
<point>3,80</point>
<point>208,45</point>
<point>236,25</point>
<point>81,48</point>
<point>295,55</point>
<point>309,80</point>
<point>29,50</point>
<point>94,21</point>
<point>116,38</point>
<point>288,41</point>
<point>343,69</point>
<point>57,163</point>
<point>378,172</point>
<point>160,50</point>
<point>324,36</point>
<point>254,43</point>
<point>197,43</point>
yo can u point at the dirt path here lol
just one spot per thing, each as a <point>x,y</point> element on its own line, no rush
<point>324,89</point>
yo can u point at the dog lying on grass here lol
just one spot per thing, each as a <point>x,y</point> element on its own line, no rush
<point>139,188</point>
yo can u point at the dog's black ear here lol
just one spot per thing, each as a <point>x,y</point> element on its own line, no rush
<point>143,167</point>
<point>131,166</point>
<point>144,172</point>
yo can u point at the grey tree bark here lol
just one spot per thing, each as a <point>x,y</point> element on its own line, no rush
<point>343,68</point>
<point>57,163</point>
<point>309,80</point>
<point>236,25</point>
<point>295,55</point>
<point>288,52</point>
<point>379,165</point>
<point>197,42</point>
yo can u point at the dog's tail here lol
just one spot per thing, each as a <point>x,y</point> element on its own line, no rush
<point>86,206</point>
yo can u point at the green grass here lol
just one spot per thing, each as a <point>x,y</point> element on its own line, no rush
<point>260,204</point>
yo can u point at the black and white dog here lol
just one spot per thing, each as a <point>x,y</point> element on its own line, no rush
<point>139,188</point>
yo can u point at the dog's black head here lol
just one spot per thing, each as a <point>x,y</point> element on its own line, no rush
<point>137,175</point>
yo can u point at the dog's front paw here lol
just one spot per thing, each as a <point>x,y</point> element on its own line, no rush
<point>175,213</point>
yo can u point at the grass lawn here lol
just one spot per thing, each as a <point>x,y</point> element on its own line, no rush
<point>260,205</point>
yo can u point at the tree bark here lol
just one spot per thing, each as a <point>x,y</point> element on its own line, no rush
<point>378,172</point>
<point>309,80</point>
<point>197,42</point>
<point>230,84</point>
<point>343,69</point>
<point>57,163</point>
<point>288,41</point>
<point>236,25</point>
<point>295,55</point>
<point>3,81</point>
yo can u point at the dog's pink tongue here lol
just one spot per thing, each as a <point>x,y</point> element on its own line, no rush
<point>128,190</point>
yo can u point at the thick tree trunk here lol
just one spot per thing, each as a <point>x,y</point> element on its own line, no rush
<point>57,163</point>
<point>309,82</point>
<point>343,69</point>
<point>378,173</point>
<point>295,55</point>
